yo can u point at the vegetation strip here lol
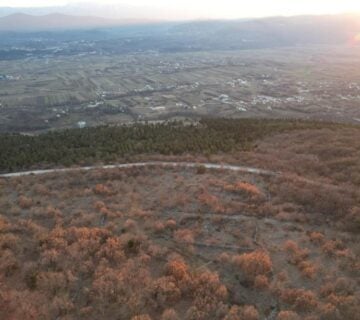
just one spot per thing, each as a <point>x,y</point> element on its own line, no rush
<point>87,146</point>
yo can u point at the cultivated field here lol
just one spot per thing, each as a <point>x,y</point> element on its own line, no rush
<point>59,91</point>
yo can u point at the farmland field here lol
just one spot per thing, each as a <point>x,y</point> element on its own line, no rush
<point>60,91</point>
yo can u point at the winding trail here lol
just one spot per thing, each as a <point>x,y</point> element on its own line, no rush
<point>213,166</point>
<point>146,164</point>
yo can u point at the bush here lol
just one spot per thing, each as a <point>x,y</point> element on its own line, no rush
<point>8,263</point>
<point>302,300</point>
<point>165,292</point>
<point>332,246</point>
<point>307,269</point>
<point>317,237</point>
<point>169,314</point>
<point>261,282</point>
<point>184,235</point>
<point>288,315</point>
<point>101,189</point>
<point>141,317</point>
<point>254,263</point>
<point>25,202</point>
<point>177,268</point>
<point>243,312</point>
<point>297,254</point>
<point>200,170</point>
<point>250,313</point>
<point>170,224</point>
<point>244,187</point>
<point>158,226</point>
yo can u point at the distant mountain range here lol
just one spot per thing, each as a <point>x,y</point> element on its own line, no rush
<point>326,29</point>
<point>56,21</point>
<point>199,35</point>
<point>108,11</point>
<point>84,9</point>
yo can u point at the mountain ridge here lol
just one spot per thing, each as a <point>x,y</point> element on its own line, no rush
<point>25,22</point>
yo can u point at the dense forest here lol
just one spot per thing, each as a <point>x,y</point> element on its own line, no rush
<point>112,143</point>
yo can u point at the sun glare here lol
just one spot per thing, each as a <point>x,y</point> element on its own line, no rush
<point>356,39</point>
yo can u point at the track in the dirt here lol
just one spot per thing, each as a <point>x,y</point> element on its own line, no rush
<point>145,164</point>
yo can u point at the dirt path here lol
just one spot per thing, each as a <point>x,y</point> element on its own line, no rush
<point>146,164</point>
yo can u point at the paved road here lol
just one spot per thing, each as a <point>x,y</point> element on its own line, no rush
<point>146,164</point>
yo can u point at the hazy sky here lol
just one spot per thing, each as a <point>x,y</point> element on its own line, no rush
<point>221,8</point>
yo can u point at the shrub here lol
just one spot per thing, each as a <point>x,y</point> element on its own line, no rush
<point>297,254</point>
<point>25,202</point>
<point>233,313</point>
<point>200,170</point>
<point>61,306</point>
<point>307,269</point>
<point>208,293</point>
<point>8,263</point>
<point>130,224</point>
<point>101,189</point>
<point>169,314</point>
<point>193,313</point>
<point>51,282</point>
<point>328,311</point>
<point>224,257</point>
<point>261,282</point>
<point>170,224</point>
<point>250,313</point>
<point>211,201</point>
<point>332,246</point>
<point>30,279</point>
<point>254,263</point>
<point>317,237</point>
<point>42,190</point>
<point>112,250</point>
<point>98,205</point>
<point>184,235</point>
<point>4,224</point>
<point>177,268</point>
<point>141,317</point>
<point>353,219</point>
<point>288,315</point>
<point>158,226</point>
<point>244,187</point>
<point>242,313</point>
<point>302,300</point>
<point>9,241</point>
<point>164,291</point>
